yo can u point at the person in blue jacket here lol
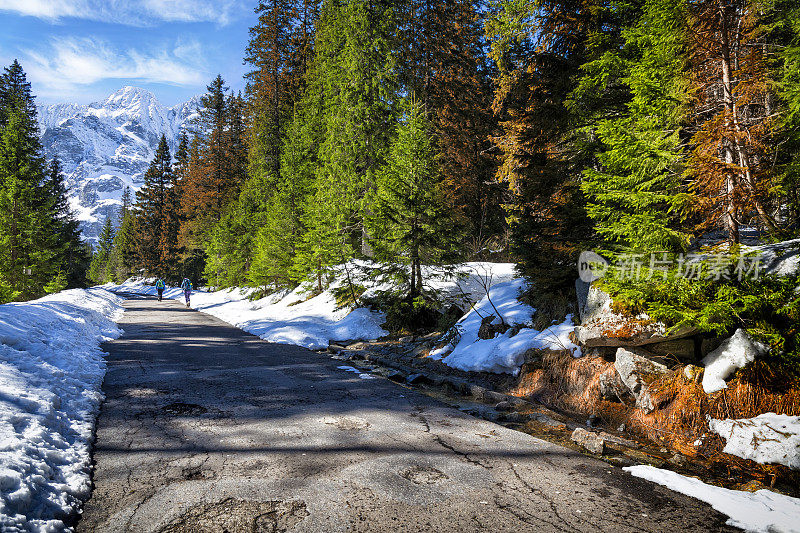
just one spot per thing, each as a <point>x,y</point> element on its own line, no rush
<point>160,288</point>
<point>186,285</point>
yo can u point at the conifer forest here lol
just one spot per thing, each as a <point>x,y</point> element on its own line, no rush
<point>400,265</point>
<point>417,133</point>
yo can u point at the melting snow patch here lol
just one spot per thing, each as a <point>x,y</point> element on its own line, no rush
<point>767,438</point>
<point>733,354</point>
<point>505,352</point>
<point>51,369</point>
<point>760,511</point>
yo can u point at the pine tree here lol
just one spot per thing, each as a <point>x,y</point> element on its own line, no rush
<point>410,221</point>
<point>538,50</point>
<point>123,253</point>
<point>278,51</point>
<point>229,245</point>
<point>152,202</point>
<point>442,61</point>
<point>278,245</point>
<point>634,191</point>
<point>788,83</point>
<point>29,252</point>
<point>237,141</point>
<point>195,221</point>
<point>101,267</point>
<point>209,186</point>
<point>15,91</point>
<point>730,164</point>
<point>73,257</point>
<point>359,91</point>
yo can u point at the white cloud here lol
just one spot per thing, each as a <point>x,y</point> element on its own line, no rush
<point>45,9</point>
<point>73,63</point>
<point>131,13</point>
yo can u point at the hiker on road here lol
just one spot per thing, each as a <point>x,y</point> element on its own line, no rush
<point>186,285</point>
<point>160,288</point>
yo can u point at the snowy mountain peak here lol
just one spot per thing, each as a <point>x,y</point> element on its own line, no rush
<point>108,145</point>
<point>128,97</point>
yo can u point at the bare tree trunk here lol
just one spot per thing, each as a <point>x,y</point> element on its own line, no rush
<point>730,185</point>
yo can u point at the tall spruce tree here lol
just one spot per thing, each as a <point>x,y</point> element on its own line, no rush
<point>195,220</point>
<point>73,251</point>
<point>152,203</point>
<point>279,242</point>
<point>443,62</point>
<point>30,251</point>
<point>538,48</point>
<point>229,245</point>
<point>278,51</point>
<point>101,269</point>
<point>123,258</point>
<point>410,221</point>
<point>634,193</point>
<point>354,57</point>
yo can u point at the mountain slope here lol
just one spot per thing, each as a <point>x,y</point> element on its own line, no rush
<point>106,146</point>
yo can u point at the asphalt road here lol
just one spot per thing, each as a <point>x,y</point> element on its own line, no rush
<point>207,428</point>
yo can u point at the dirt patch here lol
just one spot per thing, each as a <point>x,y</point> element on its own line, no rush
<point>233,515</point>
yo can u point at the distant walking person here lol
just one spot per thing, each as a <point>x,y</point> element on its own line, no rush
<point>160,288</point>
<point>186,285</point>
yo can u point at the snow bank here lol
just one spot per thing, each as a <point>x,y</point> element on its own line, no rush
<point>293,318</point>
<point>503,353</point>
<point>285,318</point>
<point>734,353</point>
<point>780,258</point>
<point>767,438</point>
<point>760,511</point>
<point>51,369</point>
<point>468,286</point>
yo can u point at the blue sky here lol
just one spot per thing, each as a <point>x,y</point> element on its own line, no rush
<point>83,50</point>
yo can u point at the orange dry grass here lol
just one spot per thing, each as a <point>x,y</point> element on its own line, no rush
<point>679,418</point>
<point>569,383</point>
<point>758,388</point>
<point>682,407</point>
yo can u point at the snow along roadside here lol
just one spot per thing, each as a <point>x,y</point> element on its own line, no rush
<point>285,318</point>
<point>291,317</point>
<point>761,511</point>
<point>51,370</point>
<point>505,352</point>
<point>766,438</point>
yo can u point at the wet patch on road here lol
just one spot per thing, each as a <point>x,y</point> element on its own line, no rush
<point>180,408</point>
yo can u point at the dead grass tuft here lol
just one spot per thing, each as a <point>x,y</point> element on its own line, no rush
<point>757,388</point>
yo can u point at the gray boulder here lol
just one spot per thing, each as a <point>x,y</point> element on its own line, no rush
<point>637,369</point>
<point>589,440</point>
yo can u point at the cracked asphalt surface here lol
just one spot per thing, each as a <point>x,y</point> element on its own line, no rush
<point>208,428</point>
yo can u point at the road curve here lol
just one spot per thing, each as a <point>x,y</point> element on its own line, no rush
<point>207,428</point>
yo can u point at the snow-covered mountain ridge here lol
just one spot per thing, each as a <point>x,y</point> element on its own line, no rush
<point>106,146</point>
